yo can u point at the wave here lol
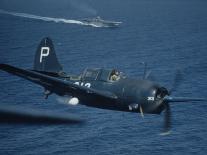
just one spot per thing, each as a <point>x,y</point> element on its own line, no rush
<point>46,19</point>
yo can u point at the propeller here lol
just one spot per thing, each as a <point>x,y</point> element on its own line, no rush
<point>162,98</point>
<point>164,104</point>
<point>170,99</point>
<point>167,118</point>
<point>166,100</point>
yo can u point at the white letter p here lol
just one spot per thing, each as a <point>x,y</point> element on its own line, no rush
<point>45,51</point>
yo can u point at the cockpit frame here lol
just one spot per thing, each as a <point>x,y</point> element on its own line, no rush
<point>97,74</point>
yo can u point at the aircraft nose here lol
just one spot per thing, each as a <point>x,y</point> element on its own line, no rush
<point>152,95</point>
<point>154,99</point>
<point>157,101</point>
<point>146,99</point>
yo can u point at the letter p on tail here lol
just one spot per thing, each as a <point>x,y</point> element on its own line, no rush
<point>45,57</point>
<point>45,51</point>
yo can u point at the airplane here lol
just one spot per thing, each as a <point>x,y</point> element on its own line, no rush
<point>98,22</point>
<point>98,87</point>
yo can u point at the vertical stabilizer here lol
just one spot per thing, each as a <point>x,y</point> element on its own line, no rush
<point>45,57</point>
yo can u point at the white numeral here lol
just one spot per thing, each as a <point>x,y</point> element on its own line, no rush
<point>83,84</point>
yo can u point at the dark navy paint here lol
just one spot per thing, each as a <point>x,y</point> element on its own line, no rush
<point>166,34</point>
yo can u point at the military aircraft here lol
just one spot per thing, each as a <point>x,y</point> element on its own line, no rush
<point>98,87</point>
<point>98,22</point>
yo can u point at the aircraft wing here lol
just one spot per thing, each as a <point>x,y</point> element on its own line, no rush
<point>59,86</point>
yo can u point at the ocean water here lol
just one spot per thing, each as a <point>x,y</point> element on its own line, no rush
<point>168,35</point>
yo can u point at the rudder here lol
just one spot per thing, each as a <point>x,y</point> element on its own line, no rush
<point>45,57</point>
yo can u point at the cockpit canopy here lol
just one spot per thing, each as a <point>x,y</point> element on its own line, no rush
<point>110,75</point>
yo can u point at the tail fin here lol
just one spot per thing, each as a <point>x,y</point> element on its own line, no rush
<point>45,57</point>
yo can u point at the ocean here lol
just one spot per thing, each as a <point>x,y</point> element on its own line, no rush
<point>167,35</point>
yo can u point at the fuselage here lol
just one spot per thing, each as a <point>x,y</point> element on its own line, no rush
<point>131,93</point>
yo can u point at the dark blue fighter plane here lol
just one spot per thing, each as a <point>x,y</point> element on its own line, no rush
<point>97,87</point>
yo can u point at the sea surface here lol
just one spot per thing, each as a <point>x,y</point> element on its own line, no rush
<point>169,35</point>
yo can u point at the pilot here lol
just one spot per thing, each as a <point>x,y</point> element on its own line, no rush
<point>114,75</point>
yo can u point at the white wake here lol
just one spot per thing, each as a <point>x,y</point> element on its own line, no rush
<point>47,19</point>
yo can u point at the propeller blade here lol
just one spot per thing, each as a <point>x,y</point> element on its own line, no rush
<point>177,81</point>
<point>182,99</point>
<point>167,119</point>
